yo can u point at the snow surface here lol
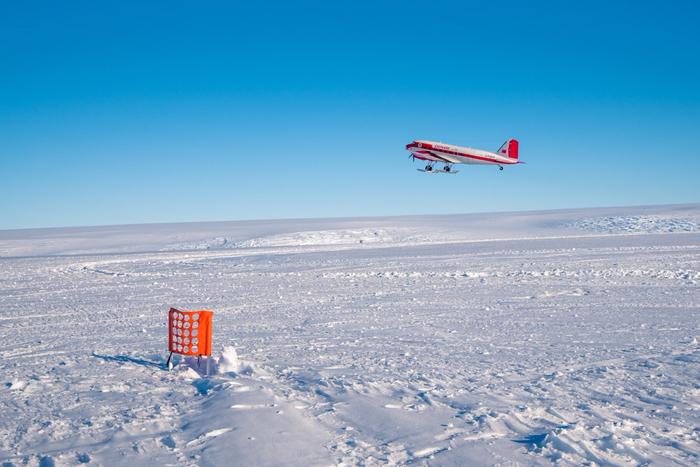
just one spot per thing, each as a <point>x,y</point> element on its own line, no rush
<point>512,339</point>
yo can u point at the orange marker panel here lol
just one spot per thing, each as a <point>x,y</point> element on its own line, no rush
<point>189,332</point>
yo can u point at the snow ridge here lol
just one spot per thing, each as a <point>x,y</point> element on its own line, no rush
<point>636,224</point>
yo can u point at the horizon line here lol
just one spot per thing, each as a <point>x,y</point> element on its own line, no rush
<point>282,219</point>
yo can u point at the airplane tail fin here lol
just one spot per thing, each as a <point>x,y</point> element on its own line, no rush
<point>509,149</point>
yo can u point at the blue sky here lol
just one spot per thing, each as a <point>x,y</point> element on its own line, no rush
<point>125,112</point>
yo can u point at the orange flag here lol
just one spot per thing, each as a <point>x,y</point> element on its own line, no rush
<point>189,332</point>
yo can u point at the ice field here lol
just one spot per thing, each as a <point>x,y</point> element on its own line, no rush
<point>529,338</point>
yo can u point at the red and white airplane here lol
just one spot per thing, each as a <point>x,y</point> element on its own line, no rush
<point>432,152</point>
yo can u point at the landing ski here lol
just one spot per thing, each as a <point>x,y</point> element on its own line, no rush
<point>438,171</point>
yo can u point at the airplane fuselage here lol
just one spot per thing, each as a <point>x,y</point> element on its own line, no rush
<point>449,154</point>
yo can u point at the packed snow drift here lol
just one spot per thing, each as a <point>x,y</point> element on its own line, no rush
<point>531,338</point>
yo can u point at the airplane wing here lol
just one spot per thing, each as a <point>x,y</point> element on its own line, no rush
<point>448,159</point>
